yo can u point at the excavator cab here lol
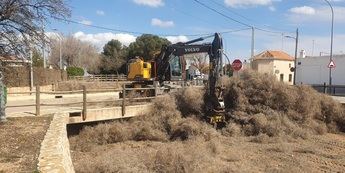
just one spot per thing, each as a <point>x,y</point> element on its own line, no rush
<point>138,70</point>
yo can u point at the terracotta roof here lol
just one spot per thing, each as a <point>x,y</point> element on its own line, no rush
<point>8,58</point>
<point>272,54</point>
<point>13,59</point>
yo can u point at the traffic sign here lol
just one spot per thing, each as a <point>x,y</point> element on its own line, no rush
<point>236,65</point>
<point>331,64</point>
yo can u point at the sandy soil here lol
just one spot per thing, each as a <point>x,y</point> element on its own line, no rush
<point>325,153</point>
<point>20,141</point>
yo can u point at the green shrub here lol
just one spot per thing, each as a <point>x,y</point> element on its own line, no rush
<point>75,71</point>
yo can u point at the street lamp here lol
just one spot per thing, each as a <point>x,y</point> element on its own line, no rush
<point>60,52</point>
<point>296,49</point>
<point>331,53</point>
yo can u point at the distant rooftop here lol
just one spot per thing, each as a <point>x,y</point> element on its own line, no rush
<point>12,58</point>
<point>273,55</point>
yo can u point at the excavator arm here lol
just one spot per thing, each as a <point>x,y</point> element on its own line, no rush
<point>214,109</point>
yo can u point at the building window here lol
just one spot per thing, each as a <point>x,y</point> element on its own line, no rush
<point>282,77</point>
<point>290,77</point>
<point>289,65</point>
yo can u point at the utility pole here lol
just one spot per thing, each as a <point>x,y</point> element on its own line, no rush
<point>296,50</point>
<point>312,52</point>
<point>43,47</point>
<point>31,73</point>
<point>253,39</point>
<point>331,53</point>
<point>282,42</point>
<point>44,55</point>
<point>60,53</point>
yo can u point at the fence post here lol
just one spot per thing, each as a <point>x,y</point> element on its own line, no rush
<point>124,100</point>
<point>38,101</point>
<point>156,88</point>
<point>84,113</point>
<point>324,88</point>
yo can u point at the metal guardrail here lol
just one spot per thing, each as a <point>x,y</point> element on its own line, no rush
<point>101,78</point>
<point>85,103</point>
<point>336,90</point>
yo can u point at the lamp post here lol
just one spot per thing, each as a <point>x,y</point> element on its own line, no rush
<point>60,52</point>
<point>331,53</point>
<point>296,49</point>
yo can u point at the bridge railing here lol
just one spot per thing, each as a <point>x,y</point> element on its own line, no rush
<point>123,101</point>
<point>84,102</point>
<point>336,90</point>
<point>100,78</point>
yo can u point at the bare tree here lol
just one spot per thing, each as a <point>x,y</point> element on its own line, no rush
<point>22,21</point>
<point>200,62</point>
<point>74,53</point>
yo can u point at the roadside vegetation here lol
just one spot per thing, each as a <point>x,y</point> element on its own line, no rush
<point>174,137</point>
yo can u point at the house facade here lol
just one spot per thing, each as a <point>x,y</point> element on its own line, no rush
<point>277,63</point>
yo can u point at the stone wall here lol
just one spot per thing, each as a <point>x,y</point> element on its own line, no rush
<point>45,88</point>
<point>55,153</point>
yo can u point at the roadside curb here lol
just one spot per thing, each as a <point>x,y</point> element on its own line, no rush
<point>55,151</point>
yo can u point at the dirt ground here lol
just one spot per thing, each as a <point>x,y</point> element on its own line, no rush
<point>319,153</point>
<point>20,141</point>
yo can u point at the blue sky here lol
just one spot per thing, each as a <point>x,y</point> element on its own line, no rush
<point>178,19</point>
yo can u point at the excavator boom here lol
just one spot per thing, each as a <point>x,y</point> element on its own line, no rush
<point>213,107</point>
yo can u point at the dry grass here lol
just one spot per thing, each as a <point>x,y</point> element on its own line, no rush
<point>190,102</point>
<point>262,105</point>
<point>174,137</point>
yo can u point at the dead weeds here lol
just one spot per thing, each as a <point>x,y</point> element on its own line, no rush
<point>175,138</point>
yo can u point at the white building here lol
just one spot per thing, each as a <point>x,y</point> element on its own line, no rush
<point>277,63</point>
<point>315,71</point>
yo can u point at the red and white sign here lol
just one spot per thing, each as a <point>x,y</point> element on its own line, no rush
<point>236,65</point>
<point>331,64</point>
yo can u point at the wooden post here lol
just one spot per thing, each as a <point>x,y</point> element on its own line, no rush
<point>324,88</point>
<point>156,88</point>
<point>38,101</point>
<point>84,113</point>
<point>124,100</point>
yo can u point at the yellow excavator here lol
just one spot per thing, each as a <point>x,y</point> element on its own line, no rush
<point>139,70</point>
<point>170,66</point>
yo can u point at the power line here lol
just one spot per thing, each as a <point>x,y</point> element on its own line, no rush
<point>233,12</point>
<point>188,14</point>
<point>141,33</point>
<point>237,30</point>
<point>242,16</point>
<point>216,11</point>
<point>235,20</point>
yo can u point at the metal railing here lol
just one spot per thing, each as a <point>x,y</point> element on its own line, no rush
<point>84,103</point>
<point>101,78</point>
<point>336,90</point>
